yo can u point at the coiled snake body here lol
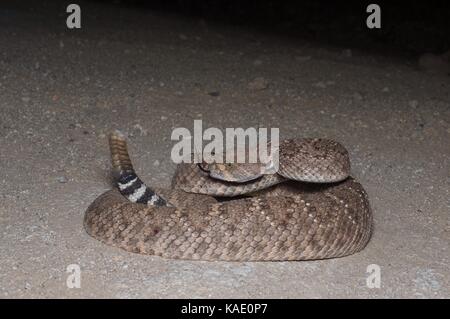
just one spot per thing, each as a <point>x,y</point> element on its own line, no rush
<point>281,219</point>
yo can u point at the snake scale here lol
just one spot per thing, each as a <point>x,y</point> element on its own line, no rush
<point>270,218</point>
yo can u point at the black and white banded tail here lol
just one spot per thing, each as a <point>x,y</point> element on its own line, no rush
<point>126,179</point>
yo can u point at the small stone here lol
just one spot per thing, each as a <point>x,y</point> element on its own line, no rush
<point>156,163</point>
<point>140,130</point>
<point>25,99</point>
<point>320,84</point>
<point>385,89</point>
<point>357,96</point>
<point>258,84</point>
<point>163,118</point>
<point>303,58</point>
<point>27,286</point>
<point>413,104</point>
<point>62,179</point>
<point>257,62</point>
<point>214,93</point>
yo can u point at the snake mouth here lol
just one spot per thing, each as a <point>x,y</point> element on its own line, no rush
<point>203,167</point>
<point>230,179</point>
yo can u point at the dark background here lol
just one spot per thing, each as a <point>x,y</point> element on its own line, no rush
<point>310,68</point>
<point>410,27</point>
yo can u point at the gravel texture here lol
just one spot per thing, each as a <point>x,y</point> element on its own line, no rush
<point>62,91</point>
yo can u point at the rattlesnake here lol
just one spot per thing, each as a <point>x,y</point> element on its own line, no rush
<point>281,219</point>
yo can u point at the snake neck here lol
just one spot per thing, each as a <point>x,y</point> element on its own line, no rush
<point>125,177</point>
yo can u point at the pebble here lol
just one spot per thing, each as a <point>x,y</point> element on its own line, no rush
<point>163,118</point>
<point>25,99</point>
<point>320,84</point>
<point>413,103</point>
<point>357,96</point>
<point>385,89</point>
<point>156,163</point>
<point>62,179</point>
<point>257,62</point>
<point>214,93</point>
<point>258,84</point>
<point>304,58</point>
<point>140,129</point>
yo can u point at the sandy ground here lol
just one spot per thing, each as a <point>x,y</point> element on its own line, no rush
<point>61,92</point>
